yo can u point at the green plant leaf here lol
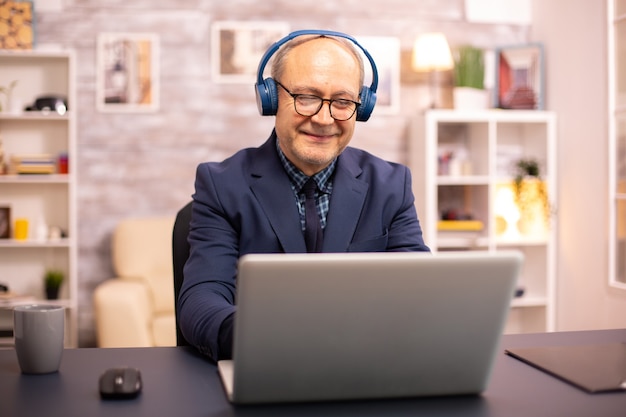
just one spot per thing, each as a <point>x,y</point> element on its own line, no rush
<point>469,69</point>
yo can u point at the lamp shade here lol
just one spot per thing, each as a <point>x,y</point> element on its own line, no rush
<point>432,53</point>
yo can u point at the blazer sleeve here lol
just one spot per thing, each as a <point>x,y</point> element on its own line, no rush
<point>207,296</point>
<point>405,232</point>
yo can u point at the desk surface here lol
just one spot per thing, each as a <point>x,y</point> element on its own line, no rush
<point>180,382</point>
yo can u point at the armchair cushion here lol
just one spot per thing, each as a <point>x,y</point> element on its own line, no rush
<point>136,307</point>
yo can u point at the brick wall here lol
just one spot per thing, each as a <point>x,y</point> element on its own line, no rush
<point>143,164</point>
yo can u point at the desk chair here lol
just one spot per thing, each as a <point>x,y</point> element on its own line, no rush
<point>180,253</point>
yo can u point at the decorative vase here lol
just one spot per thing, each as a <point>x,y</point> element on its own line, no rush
<point>468,98</point>
<point>534,208</point>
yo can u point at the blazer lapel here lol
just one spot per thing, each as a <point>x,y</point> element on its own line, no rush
<point>346,204</point>
<point>273,190</point>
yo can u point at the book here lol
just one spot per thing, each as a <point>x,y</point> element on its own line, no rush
<point>32,164</point>
<point>460,225</point>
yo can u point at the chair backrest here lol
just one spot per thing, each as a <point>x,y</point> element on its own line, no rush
<point>139,250</point>
<point>180,253</point>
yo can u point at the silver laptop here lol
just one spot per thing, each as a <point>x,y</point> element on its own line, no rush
<point>343,326</point>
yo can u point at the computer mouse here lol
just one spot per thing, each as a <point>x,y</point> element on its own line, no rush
<point>121,382</point>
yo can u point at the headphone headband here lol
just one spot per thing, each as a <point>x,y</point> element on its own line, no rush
<point>267,95</point>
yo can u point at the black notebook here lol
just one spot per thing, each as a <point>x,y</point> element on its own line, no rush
<point>592,368</point>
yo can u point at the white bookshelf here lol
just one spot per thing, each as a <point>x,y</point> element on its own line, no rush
<point>486,143</point>
<point>44,198</point>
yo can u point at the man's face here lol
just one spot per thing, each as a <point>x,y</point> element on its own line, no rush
<point>324,68</point>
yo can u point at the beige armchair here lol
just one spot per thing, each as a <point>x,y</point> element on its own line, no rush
<point>136,307</point>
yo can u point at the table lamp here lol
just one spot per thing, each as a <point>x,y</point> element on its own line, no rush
<point>431,53</point>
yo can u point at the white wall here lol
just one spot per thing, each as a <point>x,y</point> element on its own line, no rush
<point>574,35</point>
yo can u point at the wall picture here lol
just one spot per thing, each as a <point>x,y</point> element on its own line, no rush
<point>127,72</point>
<point>386,53</point>
<point>237,48</point>
<point>17,30</point>
<point>519,77</point>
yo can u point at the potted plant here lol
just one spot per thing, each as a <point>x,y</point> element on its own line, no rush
<point>531,196</point>
<point>469,75</point>
<point>53,280</point>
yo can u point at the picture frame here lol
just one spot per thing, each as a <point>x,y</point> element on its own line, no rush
<point>237,47</point>
<point>519,83</point>
<point>5,222</point>
<point>17,19</point>
<point>385,50</point>
<point>127,78</point>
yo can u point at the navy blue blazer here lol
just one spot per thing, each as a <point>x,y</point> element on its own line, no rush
<point>245,204</point>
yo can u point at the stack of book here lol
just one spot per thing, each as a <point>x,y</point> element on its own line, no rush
<point>32,164</point>
<point>460,228</point>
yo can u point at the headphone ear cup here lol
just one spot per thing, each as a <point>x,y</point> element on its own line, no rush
<point>368,100</point>
<point>267,97</point>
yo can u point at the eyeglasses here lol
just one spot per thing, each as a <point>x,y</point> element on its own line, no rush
<point>309,105</point>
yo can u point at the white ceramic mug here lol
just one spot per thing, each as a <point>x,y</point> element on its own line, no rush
<point>39,337</point>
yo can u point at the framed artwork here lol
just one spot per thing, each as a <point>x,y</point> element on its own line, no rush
<point>386,53</point>
<point>237,48</point>
<point>127,72</point>
<point>17,30</point>
<point>520,77</point>
<point>5,222</point>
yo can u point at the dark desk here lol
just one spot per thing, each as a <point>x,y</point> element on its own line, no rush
<point>180,383</point>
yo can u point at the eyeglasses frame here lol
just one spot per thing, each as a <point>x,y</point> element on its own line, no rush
<point>329,100</point>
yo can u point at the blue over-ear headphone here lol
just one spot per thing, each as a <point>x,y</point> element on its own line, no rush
<point>267,94</point>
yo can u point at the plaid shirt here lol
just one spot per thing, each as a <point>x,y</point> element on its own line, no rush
<point>324,185</point>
